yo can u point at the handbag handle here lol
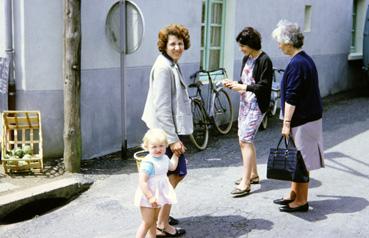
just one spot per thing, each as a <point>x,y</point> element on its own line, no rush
<point>286,142</point>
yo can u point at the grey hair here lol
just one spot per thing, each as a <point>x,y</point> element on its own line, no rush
<point>288,33</point>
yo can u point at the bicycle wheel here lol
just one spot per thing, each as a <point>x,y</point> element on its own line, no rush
<point>222,112</point>
<point>200,134</point>
<point>264,122</point>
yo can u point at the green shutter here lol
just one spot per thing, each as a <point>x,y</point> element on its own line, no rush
<point>212,30</point>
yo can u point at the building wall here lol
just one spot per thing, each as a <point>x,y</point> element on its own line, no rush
<point>2,32</point>
<point>101,79</point>
<point>38,38</point>
<point>328,42</point>
<point>38,35</point>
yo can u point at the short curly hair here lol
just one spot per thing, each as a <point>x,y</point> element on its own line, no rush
<point>250,37</point>
<point>177,30</point>
<point>288,33</point>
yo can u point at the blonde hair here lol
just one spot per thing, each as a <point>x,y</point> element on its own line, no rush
<point>153,136</point>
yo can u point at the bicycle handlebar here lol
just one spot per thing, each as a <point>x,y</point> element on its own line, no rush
<point>208,72</point>
<point>278,70</point>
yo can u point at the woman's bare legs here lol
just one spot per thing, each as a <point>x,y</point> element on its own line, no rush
<point>299,194</point>
<point>148,224</point>
<point>163,219</point>
<point>249,164</point>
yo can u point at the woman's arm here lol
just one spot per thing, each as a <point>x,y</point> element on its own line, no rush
<point>162,99</point>
<point>235,86</point>
<point>288,113</point>
<point>264,82</point>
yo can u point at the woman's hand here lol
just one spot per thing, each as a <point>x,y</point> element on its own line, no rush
<point>177,148</point>
<point>235,86</point>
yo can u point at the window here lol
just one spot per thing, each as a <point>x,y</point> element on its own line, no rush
<point>212,34</point>
<point>358,17</point>
<point>307,19</point>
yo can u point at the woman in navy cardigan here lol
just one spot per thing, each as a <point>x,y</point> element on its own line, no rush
<point>301,108</point>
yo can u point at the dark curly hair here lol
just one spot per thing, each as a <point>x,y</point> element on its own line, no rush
<point>177,30</point>
<point>250,37</point>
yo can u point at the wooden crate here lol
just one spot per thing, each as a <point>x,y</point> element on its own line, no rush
<point>20,129</point>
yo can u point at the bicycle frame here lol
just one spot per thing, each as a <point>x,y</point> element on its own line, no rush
<point>211,77</point>
<point>275,96</point>
<point>211,109</point>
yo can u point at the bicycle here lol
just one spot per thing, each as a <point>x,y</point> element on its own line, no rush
<point>274,97</point>
<point>216,109</point>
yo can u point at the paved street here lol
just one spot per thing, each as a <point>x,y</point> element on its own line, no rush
<point>338,197</point>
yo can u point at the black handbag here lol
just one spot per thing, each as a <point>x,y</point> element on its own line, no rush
<point>287,163</point>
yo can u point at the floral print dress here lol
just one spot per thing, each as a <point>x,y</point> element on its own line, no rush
<point>249,116</point>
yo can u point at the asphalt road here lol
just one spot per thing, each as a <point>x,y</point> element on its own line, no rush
<point>338,194</point>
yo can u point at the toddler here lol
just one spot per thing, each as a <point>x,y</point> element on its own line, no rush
<point>154,189</point>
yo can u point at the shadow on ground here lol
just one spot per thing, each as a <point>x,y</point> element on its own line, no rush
<point>321,209</point>
<point>337,158</point>
<point>270,184</point>
<point>222,226</point>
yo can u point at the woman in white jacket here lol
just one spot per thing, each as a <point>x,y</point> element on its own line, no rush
<point>168,107</point>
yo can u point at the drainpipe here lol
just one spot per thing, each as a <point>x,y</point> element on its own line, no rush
<point>9,50</point>
<point>122,32</point>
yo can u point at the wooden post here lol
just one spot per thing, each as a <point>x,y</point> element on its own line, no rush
<point>72,84</point>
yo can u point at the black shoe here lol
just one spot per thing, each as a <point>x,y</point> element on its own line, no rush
<point>302,208</point>
<point>179,232</point>
<point>281,201</point>
<point>173,221</point>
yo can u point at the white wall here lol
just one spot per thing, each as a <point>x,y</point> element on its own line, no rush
<point>38,44</point>
<point>98,54</point>
<point>2,32</point>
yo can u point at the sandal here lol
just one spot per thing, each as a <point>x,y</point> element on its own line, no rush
<point>179,232</point>
<point>172,221</point>
<point>254,180</point>
<point>240,192</point>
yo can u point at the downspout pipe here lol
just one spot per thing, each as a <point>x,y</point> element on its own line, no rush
<point>9,50</point>
<point>122,32</point>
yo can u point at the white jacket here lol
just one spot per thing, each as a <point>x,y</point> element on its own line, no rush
<point>168,105</point>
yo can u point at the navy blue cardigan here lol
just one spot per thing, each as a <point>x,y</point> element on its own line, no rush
<point>263,75</point>
<point>300,88</point>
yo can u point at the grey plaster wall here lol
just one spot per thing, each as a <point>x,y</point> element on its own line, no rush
<point>100,112</point>
<point>2,32</point>
<point>328,41</point>
<point>50,105</point>
<point>101,79</point>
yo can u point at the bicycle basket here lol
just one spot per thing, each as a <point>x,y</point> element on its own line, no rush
<point>203,77</point>
<point>217,75</point>
<point>139,156</point>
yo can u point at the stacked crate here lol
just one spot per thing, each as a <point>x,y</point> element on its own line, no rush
<point>20,130</point>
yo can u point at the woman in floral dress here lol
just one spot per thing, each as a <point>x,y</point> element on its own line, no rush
<point>255,89</point>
